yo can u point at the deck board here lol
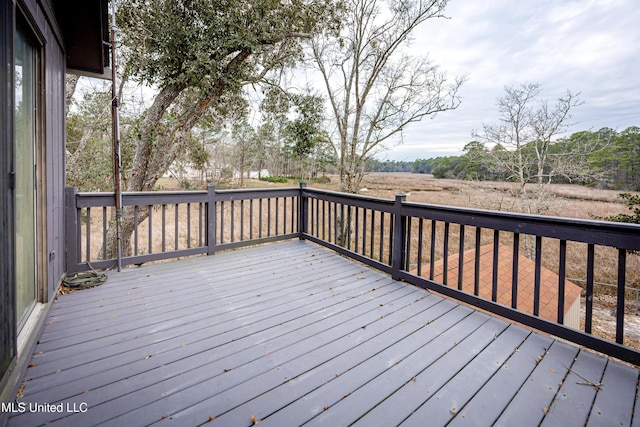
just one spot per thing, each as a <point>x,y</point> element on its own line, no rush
<point>492,398</point>
<point>359,379</point>
<point>151,328</point>
<point>611,409</point>
<point>576,396</point>
<point>425,384</point>
<point>232,383</point>
<point>443,405</point>
<point>292,334</point>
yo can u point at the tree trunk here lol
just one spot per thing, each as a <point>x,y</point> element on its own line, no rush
<point>141,169</point>
<point>158,147</point>
<point>70,84</point>
<point>128,227</point>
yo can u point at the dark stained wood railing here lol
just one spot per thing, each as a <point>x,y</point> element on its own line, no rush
<point>357,226</point>
<point>250,217</point>
<point>435,247</point>
<point>416,238</point>
<point>167,225</point>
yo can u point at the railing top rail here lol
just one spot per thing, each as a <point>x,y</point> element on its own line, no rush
<point>359,200</point>
<point>615,234</point>
<point>88,200</point>
<point>141,193</point>
<point>619,235</point>
<point>256,193</point>
<point>94,199</point>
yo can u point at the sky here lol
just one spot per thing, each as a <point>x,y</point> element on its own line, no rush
<point>586,46</point>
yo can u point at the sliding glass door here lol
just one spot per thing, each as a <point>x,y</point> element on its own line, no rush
<point>25,74</point>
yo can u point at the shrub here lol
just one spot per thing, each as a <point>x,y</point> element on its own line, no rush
<point>633,203</point>
<point>321,180</point>
<point>280,179</point>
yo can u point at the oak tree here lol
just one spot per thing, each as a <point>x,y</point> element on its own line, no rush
<point>199,55</point>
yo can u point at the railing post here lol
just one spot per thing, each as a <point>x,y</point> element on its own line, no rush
<point>211,219</point>
<point>71,230</point>
<point>399,237</point>
<point>303,212</point>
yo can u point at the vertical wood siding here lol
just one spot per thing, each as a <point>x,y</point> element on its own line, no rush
<point>55,162</point>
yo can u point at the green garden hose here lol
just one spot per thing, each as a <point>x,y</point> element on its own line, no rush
<point>84,280</point>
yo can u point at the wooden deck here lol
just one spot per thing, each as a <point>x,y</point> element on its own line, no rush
<point>290,334</point>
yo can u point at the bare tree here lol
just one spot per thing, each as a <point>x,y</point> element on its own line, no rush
<point>522,142</point>
<point>374,87</point>
<point>528,148</point>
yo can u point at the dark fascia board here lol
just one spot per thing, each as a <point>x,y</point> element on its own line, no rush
<point>85,28</point>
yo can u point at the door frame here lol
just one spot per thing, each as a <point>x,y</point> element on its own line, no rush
<point>25,325</point>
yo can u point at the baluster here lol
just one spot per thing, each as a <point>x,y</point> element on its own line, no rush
<point>164,209</point>
<point>242,220</point>
<point>233,221</point>
<point>476,277</point>
<point>200,224</point>
<point>88,235</point>
<point>357,236</point>
<point>188,225</point>
<point>364,231</point>
<point>432,250</point>
<point>277,202</point>
<point>407,259</point>
<point>622,266</point>
<point>150,228</point>
<point>445,255</point>
<point>221,222</point>
<point>391,243</point>
<point>251,219</point>
<point>562,272</point>
<point>260,221</point>
<point>268,217</point>
<point>136,220</point>
<point>420,230</point>
<point>514,273</point>
<point>536,280</point>
<point>104,232</point>
<point>494,276</point>
<point>371,233</point>
<point>461,258</point>
<point>175,237</point>
<point>381,239</point>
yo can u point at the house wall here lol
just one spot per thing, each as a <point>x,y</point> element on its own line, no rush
<point>51,130</point>
<point>572,315</point>
<point>55,159</point>
<point>7,274</point>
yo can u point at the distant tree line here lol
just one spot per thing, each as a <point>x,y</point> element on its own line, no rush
<point>612,161</point>
<point>374,165</point>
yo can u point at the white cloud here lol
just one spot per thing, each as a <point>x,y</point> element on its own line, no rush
<point>589,47</point>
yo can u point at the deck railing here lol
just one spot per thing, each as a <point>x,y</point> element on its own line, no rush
<point>166,225</point>
<point>453,251</point>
